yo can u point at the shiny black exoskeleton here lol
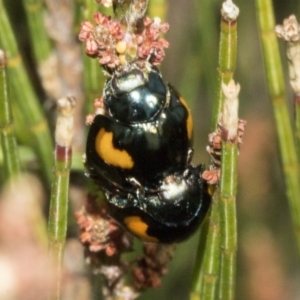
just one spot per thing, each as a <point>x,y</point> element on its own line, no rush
<point>140,153</point>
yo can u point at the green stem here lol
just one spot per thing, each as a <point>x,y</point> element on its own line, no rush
<point>158,8</point>
<point>8,139</point>
<point>227,62</point>
<point>297,116</point>
<point>222,227</point>
<point>93,74</point>
<point>206,275</point>
<point>195,290</point>
<point>38,34</point>
<point>58,213</point>
<point>228,242</point>
<point>228,181</point>
<point>212,254</point>
<point>275,81</point>
<point>26,97</point>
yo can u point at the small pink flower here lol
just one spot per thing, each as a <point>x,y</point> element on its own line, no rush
<point>164,43</point>
<point>85,29</point>
<point>144,51</point>
<point>140,39</point>
<point>91,47</point>
<point>158,53</point>
<point>101,19</point>
<point>116,30</point>
<point>88,121</point>
<point>105,59</point>
<point>211,176</point>
<point>164,27</point>
<point>147,21</point>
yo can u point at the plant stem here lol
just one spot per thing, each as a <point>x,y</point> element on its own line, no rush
<point>92,72</point>
<point>297,114</point>
<point>26,97</point>
<point>8,139</point>
<point>275,81</point>
<point>228,105</point>
<point>228,227</point>
<point>227,63</point>
<point>218,269</point>
<point>58,213</point>
<point>212,253</point>
<point>205,277</point>
<point>290,33</point>
<point>38,34</point>
<point>158,8</point>
<point>195,290</point>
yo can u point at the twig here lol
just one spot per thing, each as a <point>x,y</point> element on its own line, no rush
<point>92,74</point>
<point>228,189</point>
<point>290,32</point>
<point>59,25</point>
<point>275,81</point>
<point>26,97</point>
<point>8,139</point>
<point>220,248</point>
<point>57,226</point>
<point>227,60</point>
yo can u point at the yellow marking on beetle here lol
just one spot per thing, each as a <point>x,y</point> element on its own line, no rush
<point>111,155</point>
<point>139,228</point>
<point>189,120</point>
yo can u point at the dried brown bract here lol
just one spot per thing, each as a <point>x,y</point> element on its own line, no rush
<point>152,266</point>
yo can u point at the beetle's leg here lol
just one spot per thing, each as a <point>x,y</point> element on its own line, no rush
<point>140,191</point>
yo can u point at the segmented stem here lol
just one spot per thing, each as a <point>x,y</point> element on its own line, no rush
<point>275,82</point>
<point>8,140</point>
<point>40,39</point>
<point>228,228</point>
<point>227,63</point>
<point>57,226</point>
<point>206,274</point>
<point>217,276</point>
<point>92,71</point>
<point>26,97</point>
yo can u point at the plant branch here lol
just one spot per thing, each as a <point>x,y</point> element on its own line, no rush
<point>26,97</point>
<point>57,226</point>
<point>8,139</point>
<point>275,81</point>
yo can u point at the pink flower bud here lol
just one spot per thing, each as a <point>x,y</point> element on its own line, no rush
<point>85,28</point>
<point>91,47</point>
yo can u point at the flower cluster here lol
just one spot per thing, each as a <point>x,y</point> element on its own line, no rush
<point>290,30</point>
<point>150,45</point>
<point>152,266</point>
<point>98,231</point>
<point>115,45</point>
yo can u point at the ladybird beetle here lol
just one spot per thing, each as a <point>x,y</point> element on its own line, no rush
<point>139,152</point>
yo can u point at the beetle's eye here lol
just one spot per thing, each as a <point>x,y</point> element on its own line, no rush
<point>133,98</point>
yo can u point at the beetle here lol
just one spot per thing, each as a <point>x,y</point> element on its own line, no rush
<point>140,151</point>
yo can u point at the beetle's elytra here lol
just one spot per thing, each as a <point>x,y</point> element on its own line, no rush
<point>140,153</point>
